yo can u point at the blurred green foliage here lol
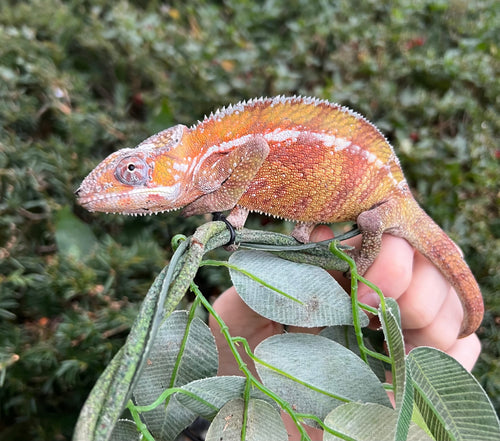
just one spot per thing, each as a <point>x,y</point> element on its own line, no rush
<point>79,80</point>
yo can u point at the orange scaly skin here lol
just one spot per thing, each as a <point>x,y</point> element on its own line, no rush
<point>297,158</point>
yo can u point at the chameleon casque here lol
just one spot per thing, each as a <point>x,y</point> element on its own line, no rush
<point>297,158</point>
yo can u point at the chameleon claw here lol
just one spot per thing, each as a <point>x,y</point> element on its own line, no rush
<point>218,216</point>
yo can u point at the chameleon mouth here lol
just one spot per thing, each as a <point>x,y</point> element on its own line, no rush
<point>136,201</point>
<point>106,203</point>
<point>89,200</point>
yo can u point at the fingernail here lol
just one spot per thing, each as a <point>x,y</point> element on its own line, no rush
<point>370,298</point>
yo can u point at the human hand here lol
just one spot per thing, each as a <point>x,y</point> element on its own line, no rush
<point>431,313</point>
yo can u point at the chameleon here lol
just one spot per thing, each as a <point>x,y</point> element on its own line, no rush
<point>298,158</point>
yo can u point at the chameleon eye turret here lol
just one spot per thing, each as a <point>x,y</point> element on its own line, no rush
<point>132,170</point>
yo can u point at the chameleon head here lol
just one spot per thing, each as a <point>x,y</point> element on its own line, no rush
<point>148,179</point>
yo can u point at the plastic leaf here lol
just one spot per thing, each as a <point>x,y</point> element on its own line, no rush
<point>403,390</point>
<point>125,430</point>
<point>263,422</point>
<point>450,399</point>
<point>326,374</point>
<point>171,364</point>
<point>368,422</point>
<point>346,336</point>
<point>324,302</point>
<point>215,393</point>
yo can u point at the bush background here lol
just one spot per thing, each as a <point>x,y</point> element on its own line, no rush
<point>79,80</point>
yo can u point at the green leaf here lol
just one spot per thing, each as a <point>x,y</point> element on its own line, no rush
<point>323,300</point>
<point>110,394</point>
<point>262,422</point>
<point>403,390</point>
<point>214,393</point>
<point>450,399</point>
<point>74,238</point>
<point>182,351</point>
<point>346,336</point>
<point>125,430</point>
<point>313,375</point>
<point>368,422</point>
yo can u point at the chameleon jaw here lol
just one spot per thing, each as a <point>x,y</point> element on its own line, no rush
<point>145,200</point>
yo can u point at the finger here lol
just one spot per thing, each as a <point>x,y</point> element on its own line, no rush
<point>391,271</point>
<point>443,331</point>
<point>321,232</point>
<point>424,298</point>
<point>241,321</point>
<point>466,351</point>
<point>293,432</point>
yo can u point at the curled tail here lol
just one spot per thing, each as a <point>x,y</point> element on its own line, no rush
<point>428,238</point>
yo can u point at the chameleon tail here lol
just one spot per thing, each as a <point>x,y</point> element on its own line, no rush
<point>428,238</point>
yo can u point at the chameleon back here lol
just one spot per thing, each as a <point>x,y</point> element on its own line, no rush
<point>326,163</point>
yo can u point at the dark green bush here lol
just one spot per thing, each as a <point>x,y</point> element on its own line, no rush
<point>79,80</point>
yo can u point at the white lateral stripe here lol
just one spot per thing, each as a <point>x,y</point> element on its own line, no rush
<point>328,140</point>
<point>280,136</point>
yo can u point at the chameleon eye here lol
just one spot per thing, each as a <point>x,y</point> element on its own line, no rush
<point>132,170</point>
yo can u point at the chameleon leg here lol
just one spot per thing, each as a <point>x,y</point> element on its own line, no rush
<point>404,218</point>
<point>302,231</point>
<point>229,177</point>
<point>238,216</point>
<point>373,223</point>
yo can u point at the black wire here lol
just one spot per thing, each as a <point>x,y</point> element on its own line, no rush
<point>218,216</point>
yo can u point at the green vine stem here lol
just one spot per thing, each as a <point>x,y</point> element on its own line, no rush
<point>223,263</point>
<point>244,368</point>
<point>355,279</point>
<point>253,381</point>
